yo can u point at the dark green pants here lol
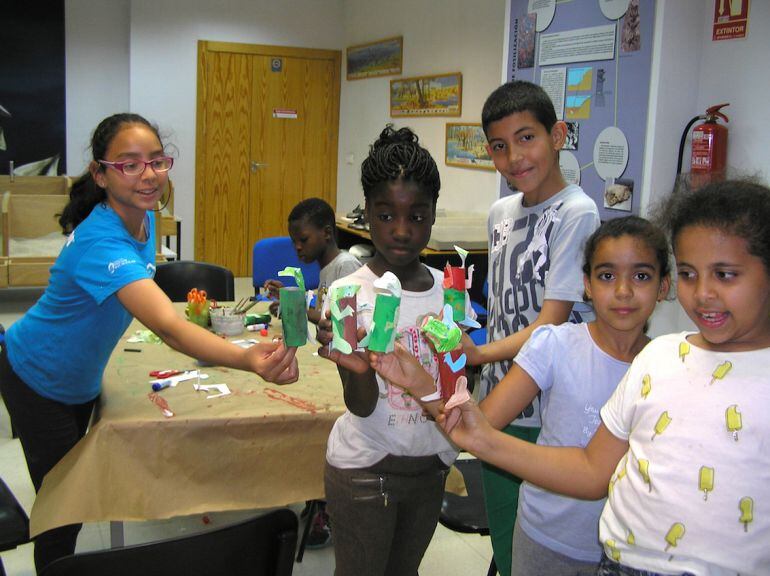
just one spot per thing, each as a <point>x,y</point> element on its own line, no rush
<point>501,498</point>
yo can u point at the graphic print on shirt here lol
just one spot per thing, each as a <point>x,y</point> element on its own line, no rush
<point>733,420</point>
<point>519,273</point>
<point>706,481</point>
<point>398,399</point>
<point>746,506</point>
<point>721,371</point>
<point>674,534</point>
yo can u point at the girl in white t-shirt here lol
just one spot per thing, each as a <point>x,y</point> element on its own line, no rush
<point>386,461</point>
<point>682,448</point>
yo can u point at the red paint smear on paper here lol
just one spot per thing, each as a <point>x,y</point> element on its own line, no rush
<point>161,403</point>
<point>297,402</point>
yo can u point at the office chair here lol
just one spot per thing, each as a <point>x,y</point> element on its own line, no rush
<point>13,430</point>
<point>271,255</point>
<point>258,547</point>
<point>467,514</point>
<point>14,524</point>
<point>177,278</point>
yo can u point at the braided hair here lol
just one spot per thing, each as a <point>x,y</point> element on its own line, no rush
<point>85,192</point>
<point>396,156</point>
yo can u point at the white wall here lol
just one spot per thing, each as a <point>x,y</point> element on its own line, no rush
<point>440,36</point>
<point>738,72</point>
<point>97,47</point>
<point>691,72</point>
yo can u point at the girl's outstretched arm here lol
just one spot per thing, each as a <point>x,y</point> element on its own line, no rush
<point>510,397</point>
<point>577,472</point>
<point>149,304</point>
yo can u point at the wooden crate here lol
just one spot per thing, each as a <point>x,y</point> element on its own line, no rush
<point>35,184</point>
<point>3,272</point>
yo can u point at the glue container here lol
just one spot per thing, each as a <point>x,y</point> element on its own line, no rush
<point>256,327</point>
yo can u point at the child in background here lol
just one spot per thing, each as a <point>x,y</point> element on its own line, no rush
<point>535,238</point>
<point>386,461</point>
<point>683,440</point>
<point>313,230</point>
<point>53,359</point>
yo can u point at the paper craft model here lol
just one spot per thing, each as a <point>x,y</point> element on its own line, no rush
<point>293,309</point>
<point>382,335</point>
<point>445,336</point>
<point>343,308</point>
<point>197,310</point>
<point>456,291</point>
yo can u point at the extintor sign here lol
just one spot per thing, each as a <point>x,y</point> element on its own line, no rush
<point>731,19</point>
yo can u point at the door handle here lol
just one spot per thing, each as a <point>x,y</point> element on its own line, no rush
<point>257,165</point>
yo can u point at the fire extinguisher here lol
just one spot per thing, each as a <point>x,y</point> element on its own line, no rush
<point>709,142</point>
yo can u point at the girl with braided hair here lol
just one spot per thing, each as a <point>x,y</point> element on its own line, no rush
<point>385,461</point>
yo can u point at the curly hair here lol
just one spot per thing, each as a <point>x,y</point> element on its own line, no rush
<point>737,207</point>
<point>396,156</point>
<point>85,193</point>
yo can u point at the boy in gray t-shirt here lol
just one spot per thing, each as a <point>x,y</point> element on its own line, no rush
<point>536,238</point>
<point>313,230</point>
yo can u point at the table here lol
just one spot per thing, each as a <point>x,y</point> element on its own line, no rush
<point>262,446</point>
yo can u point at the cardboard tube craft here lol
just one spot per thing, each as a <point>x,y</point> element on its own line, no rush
<point>382,334</point>
<point>343,308</point>
<point>445,336</point>
<point>456,291</point>
<point>293,309</point>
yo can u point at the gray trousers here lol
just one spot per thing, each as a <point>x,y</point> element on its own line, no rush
<point>530,558</point>
<point>384,517</point>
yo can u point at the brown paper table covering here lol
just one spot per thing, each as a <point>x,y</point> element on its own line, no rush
<point>262,446</point>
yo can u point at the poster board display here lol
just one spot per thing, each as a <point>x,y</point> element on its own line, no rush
<point>594,58</point>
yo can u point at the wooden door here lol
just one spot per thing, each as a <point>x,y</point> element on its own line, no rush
<point>266,138</point>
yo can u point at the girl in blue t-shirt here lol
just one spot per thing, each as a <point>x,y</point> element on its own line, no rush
<point>53,358</point>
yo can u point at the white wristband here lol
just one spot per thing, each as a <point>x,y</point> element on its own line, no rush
<point>431,397</point>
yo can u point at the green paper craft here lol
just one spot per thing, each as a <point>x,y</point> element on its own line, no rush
<point>382,334</point>
<point>456,299</point>
<point>293,309</point>
<point>442,336</point>
<point>343,316</point>
<point>297,274</point>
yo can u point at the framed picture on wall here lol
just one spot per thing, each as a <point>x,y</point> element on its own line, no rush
<point>439,95</point>
<point>466,146</point>
<point>380,58</point>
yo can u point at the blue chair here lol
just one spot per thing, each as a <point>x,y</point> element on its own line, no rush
<point>271,255</point>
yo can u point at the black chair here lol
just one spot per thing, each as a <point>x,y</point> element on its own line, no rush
<point>176,279</point>
<point>467,514</point>
<point>2,341</point>
<point>14,524</point>
<point>258,547</point>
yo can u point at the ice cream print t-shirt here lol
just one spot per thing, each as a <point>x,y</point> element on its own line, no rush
<point>689,496</point>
